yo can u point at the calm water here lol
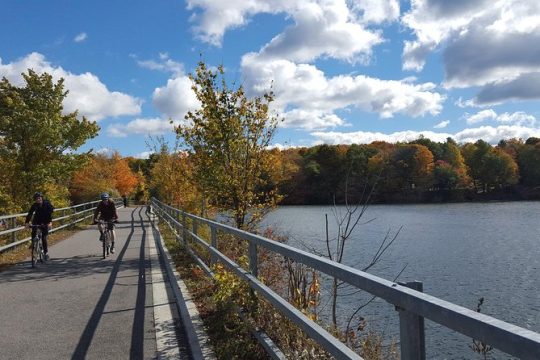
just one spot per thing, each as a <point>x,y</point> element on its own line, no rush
<point>461,252</point>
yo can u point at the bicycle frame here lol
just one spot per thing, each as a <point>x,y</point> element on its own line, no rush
<point>37,246</point>
<point>107,235</point>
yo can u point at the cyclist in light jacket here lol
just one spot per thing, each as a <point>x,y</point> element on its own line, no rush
<point>106,211</point>
<point>41,214</point>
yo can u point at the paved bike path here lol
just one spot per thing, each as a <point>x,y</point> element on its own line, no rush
<point>80,306</point>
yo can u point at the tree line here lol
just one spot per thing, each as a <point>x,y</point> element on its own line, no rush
<point>222,159</point>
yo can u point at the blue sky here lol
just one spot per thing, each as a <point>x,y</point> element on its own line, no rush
<point>342,71</point>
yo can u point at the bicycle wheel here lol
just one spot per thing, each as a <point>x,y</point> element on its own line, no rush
<point>104,244</point>
<point>34,252</point>
<point>37,251</point>
<point>41,256</point>
<point>108,240</point>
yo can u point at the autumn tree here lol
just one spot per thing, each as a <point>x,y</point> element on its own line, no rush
<point>410,166</point>
<point>171,178</point>
<point>529,164</point>
<point>103,174</point>
<point>38,140</point>
<point>490,167</point>
<point>227,138</point>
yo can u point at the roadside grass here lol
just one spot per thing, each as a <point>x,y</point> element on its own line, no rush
<point>228,334</point>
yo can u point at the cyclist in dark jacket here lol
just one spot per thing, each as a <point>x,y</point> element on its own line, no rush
<point>41,214</point>
<point>106,210</point>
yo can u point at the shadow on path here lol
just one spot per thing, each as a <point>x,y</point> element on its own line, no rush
<point>90,329</point>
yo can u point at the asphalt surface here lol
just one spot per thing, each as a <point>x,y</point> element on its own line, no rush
<point>80,306</point>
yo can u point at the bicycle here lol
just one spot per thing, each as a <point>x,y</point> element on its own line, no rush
<point>37,246</point>
<point>106,236</point>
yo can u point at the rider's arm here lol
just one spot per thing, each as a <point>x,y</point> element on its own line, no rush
<point>29,215</point>
<point>96,212</point>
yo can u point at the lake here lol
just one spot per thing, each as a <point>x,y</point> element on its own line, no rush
<point>461,252</point>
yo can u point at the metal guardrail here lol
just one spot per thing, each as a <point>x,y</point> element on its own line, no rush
<point>77,211</point>
<point>413,305</point>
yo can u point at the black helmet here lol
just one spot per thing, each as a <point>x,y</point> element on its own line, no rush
<point>38,195</point>
<point>104,196</point>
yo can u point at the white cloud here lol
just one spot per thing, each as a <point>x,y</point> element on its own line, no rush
<point>105,151</point>
<point>143,155</point>
<point>484,43</point>
<point>481,116</point>
<point>364,137</point>
<point>321,28</point>
<point>165,64</point>
<point>304,87</point>
<point>80,37</point>
<point>518,118</point>
<point>487,133</point>
<point>442,124</point>
<point>310,120</point>
<point>154,126</point>
<point>86,92</point>
<point>176,98</point>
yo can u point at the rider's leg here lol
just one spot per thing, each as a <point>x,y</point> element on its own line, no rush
<point>33,236</point>
<point>113,237</point>
<point>44,235</point>
<point>100,228</point>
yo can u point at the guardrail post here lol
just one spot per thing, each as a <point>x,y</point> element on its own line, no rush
<point>194,227</point>
<point>184,231</point>
<point>213,242</point>
<point>411,330</point>
<point>13,226</point>
<point>253,266</point>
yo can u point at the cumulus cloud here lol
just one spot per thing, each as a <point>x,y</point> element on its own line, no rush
<point>80,37</point>
<point>519,118</point>
<point>165,64</point>
<point>86,92</point>
<point>143,155</point>
<point>442,124</point>
<point>487,133</point>
<point>155,126</point>
<point>322,30</point>
<point>524,87</point>
<point>332,28</point>
<point>484,43</point>
<point>105,151</point>
<point>310,120</point>
<point>305,87</point>
<point>176,98</point>
<point>481,116</point>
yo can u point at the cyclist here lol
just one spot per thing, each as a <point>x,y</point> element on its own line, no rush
<point>106,211</point>
<point>42,211</point>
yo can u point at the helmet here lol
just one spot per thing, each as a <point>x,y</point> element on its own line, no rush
<point>38,195</point>
<point>104,196</point>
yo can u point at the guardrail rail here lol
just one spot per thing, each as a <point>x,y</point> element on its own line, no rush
<point>412,304</point>
<point>15,223</point>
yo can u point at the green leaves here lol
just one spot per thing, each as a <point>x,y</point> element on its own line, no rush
<point>39,140</point>
<point>227,139</point>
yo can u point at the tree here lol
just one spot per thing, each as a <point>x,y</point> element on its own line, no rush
<point>37,139</point>
<point>490,167</point>
<point>103,174</point>
<point>125,180</point>
<point>529,164</point>
<point>410,166</point>
<point>171,178</point>
<point>227,138</point>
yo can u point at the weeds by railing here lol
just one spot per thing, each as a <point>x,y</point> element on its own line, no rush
<point>413,305</point>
